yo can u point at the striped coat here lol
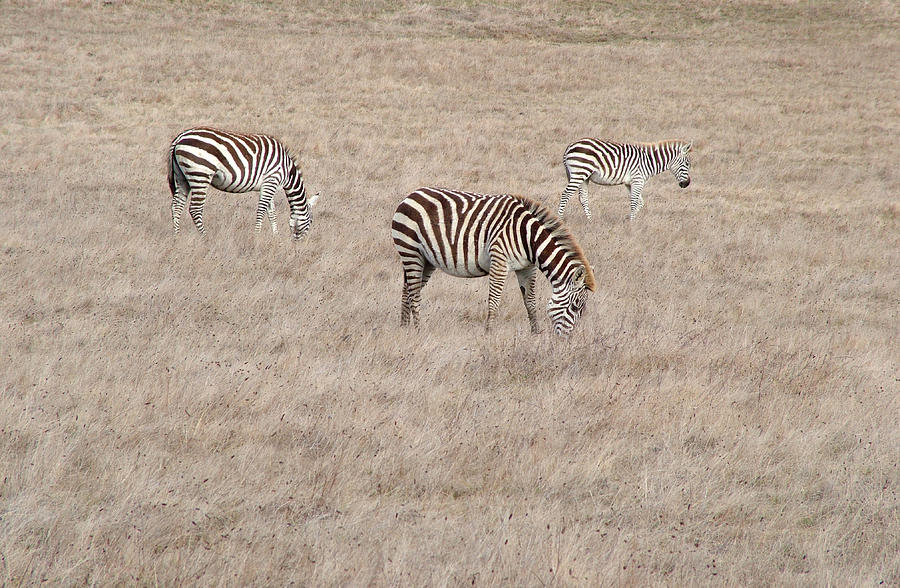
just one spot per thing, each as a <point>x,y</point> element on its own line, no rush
<point>629,164</point>
<point>234,162</point>
<point>471,235</point>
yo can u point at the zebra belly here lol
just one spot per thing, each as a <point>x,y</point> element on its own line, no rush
<point>515,265</point>
<point>462,272</point>
<point>604,180</point>
<point>458,269</point>
<point>226,183</point>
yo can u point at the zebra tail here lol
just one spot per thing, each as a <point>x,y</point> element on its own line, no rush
<point>170,171</point>
<point>174,168</point>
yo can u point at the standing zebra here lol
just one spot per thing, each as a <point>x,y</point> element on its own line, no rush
<point>473,235</point>
<point>611,164</point>
<point>236,163</point>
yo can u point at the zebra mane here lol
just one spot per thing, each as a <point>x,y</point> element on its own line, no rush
<point>293,153</point>
<point>653,143</point>
<point>675,143</point>
<point>561,235</point>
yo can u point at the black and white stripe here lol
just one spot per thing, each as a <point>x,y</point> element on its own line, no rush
<point>611,164</point>
<point>472,235</point>
<point>233,162</point>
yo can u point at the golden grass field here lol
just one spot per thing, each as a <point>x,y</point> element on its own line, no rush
<point>242,409</point>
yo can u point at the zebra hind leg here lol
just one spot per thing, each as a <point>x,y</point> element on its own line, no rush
<point>571,188</point>
<point>415,276</point>
<point>582,197</point>
<point>404,303</point>
<point>179,199</point>
<point>195,208</point>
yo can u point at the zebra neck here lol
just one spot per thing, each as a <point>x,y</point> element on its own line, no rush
<point>657,158</point>
<point>293,185</point>
<point>551,257</point>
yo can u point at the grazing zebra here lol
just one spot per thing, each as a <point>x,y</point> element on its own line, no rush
<point>611,164</point>
<point>236,163</point>
<point>473,235</point>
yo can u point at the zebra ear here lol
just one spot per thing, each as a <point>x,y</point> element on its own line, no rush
<point>578,276</point>
<point>687,148</point>
<point>312,199</point>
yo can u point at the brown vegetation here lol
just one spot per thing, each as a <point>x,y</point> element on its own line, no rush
<point>243,409</point>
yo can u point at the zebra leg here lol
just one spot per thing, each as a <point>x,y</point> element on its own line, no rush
<point>527,278</point>
<point>179,199</point>
<point>265,207</point>
<point>271,212</point>
<point>582,196</point>
<point>195,208</point>
<point>415,276</point>
<point>426,275</point>
<point>577,179</point>
<point>636,200</point>
<point>427,272</point>
<point>497,276</point>
<point>571,188</point>
<point>567,193</point>
<point>404,302</point>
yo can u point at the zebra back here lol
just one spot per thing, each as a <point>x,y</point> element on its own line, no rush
<point>616,160</point>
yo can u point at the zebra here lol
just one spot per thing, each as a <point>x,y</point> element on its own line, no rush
<point>202,157</point>
<point>611,164</point>
<point>472,235</point>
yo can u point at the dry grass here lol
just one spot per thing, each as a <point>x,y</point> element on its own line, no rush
<point>243,409</point>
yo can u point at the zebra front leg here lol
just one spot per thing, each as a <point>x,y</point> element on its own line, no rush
<point>634,191</point>
<point>527,278</point>
<point>179,199</point>
<point>497,276</point>
<point>271,212</point>
<point>265,205</point>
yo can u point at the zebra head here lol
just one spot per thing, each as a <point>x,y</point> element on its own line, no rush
<point>567,302</point>
<point>301,219</point>
<point>681,165</point>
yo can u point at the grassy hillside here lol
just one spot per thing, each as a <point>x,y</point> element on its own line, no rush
<point>242,409</point>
